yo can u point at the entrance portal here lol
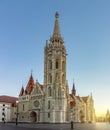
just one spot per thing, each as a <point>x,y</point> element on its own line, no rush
<point>33,116</point>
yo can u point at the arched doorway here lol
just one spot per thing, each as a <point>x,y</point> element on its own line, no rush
<point>81,116</point>
<point>33,116</point>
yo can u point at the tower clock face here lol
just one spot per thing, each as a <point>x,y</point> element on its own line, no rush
<point>36,103</point>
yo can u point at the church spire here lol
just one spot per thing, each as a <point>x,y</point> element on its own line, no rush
<point>30,85</point>
<point>56,37</point>
<point>56,32</point>
<point>73,89</point>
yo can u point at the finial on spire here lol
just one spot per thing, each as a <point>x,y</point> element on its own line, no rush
<point>73,84</point>
<point>56,31</point>
<point>57,15</point>
<point>46,42</point>
<point>31,71</point>
<point>36,80</point>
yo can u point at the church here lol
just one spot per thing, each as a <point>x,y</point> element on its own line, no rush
<point>51,101</point>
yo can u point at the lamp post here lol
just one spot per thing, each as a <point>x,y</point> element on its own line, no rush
<point>17,112</point>
<point>72,125</point>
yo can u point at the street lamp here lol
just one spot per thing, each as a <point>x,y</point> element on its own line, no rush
<point>17,112</point>
<point>72,120</point>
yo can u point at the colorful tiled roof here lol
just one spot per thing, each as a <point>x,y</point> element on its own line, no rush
<point>21,92</point>
<point>30,85</point>
<point>8,99</point>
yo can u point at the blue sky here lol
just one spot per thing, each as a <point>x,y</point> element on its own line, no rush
<point>25,25</point>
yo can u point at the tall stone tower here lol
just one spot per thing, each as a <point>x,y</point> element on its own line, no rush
<point>55,85</point>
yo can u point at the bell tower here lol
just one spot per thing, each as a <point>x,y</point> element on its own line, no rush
<point>55,76</point>
<point>55,58</point>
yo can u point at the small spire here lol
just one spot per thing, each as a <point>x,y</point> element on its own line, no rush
<point>46,42</point>
<point>22,91</point>
<point>73,89</point>
<point>107,111</point>
<point>91,95</point>
<point>73,85</point>
<point>56,26</point>
<point>30,85</point>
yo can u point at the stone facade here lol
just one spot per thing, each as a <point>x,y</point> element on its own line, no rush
<point>82,108</point>
<point>51,102</point>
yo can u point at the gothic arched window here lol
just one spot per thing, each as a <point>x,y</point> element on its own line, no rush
<point>49,104</point>
<point>63,65</point>
<point>49,115</point>
<point>49,91</point>
<point>50,64</point>
<point>57,65</point>
<point>63,79</point>
<point>50,78</point>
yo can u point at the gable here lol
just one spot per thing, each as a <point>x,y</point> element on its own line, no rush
<point>37,90</point>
